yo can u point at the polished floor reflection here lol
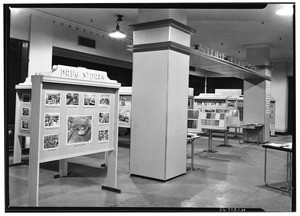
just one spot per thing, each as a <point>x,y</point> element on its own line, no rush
<point>233,177</point>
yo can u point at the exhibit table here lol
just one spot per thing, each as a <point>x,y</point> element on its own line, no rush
<point>209,149</point>
<point>286,147</point>
<point>190,141</point>
<point>252,133</point>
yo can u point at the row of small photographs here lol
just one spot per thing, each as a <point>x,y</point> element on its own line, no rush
<point>211,122</point>
<point>25,111</point>
<point>52,120</point>
<point>52,141</point>
<point>210,103</point>
<point>214,116</point>
<point>53,98</point>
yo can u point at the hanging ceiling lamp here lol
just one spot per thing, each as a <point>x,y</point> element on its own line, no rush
<point>118,33</point>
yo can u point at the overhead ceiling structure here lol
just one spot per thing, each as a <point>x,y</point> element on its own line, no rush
<point>223,29</point>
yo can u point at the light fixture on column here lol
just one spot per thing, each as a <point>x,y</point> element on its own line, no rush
<point>118,33</point>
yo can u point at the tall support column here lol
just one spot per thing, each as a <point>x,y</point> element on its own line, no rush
<point>41,43</point>
<point>159,95</point>
<point>257,92</point>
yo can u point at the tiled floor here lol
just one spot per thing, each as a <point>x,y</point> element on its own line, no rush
<point>233,177</point>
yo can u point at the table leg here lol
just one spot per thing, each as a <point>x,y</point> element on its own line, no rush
<point>192,155</point>
<point>265,169</point>
<point>210,143</point>
<point>225,140</point>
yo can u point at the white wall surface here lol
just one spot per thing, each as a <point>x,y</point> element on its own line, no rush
<point>67,38</point>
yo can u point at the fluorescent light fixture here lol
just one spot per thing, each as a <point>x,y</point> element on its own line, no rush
<point>118,33</point>
<point>286,10</point>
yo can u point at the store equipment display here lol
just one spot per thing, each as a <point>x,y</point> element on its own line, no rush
<point>76,113</point>
<point>285,147</point>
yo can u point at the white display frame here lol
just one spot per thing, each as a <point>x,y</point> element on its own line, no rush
<point>42,84</point>
<point>125,107</point>
<point>23,100</point>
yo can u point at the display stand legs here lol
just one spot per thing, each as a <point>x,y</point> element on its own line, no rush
<point>17,149</point>
<point>210,143</point>
<point>287,187</point>
<point>225,140</point>
<point>111,179</point>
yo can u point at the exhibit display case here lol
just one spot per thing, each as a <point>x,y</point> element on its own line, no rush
<point>75,113</point>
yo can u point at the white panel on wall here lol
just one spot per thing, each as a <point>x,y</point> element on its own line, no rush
<point>154,35</point>
<point>180,37</point>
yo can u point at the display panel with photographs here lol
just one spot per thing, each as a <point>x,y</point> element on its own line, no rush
<point>103,136</point>
<point>52,98</point>
<point>51,120</point>
<point>25,125</point>
<point>72,99</point>
<point>26,111</point>
<point>50,141</point>
<point>79,129</point>
<point>193,120</point>
<point>104,118</point>
<point>124,111</point>
<point>211,120</point>
<point>89,100</point>
<point>104,100</point>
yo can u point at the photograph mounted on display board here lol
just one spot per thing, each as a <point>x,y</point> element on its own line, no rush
<point>50,141</point>
<point>124,116</point>
<point>122,102</point>
<point>26,98</point>
<point>72,99</point>
<point>52,98</point>
<point>103,136</point>
<point>24,125</point>
<point>51,120</point>
<point>25,111</point>
<point>192,124</point>
<point>104,118</point>
<point>89,100</point>
<point>79,129</point>
<point>104,100</point>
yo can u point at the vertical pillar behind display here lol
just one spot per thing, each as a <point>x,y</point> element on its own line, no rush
<point>255,107</point>
<point>41,45</point>
<point>159,95</point>
<point>257,92</point>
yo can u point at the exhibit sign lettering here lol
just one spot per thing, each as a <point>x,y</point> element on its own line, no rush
<point>79,73</point>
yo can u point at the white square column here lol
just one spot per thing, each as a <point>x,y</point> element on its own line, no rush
<point>159,99</point>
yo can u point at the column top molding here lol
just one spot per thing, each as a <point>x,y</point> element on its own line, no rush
<point>163,23</point>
